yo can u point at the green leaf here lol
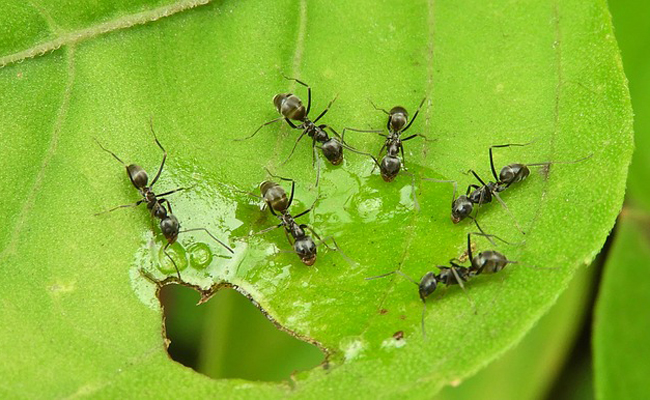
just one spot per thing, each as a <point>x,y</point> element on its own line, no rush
<point>620,326</point>
<point>78,318</point>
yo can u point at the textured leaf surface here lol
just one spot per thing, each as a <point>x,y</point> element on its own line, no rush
<point>78,319</point>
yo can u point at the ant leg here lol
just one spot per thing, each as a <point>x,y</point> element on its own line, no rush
<point>137,203</point>
<point>560,162</point>
<point>336,246</point>
<point>277,176</point>
<point>307,210</point>
<point>110,152</point>
<point>378,157</point>
<point>352,149</point>
<point>326,109</point>
<point>424,311</point>
<point>414,115</point>
<point>416,204</point>
<point>378,108</point>
<point>488,236</point>
<point>394,272</point>
<point>172,260</point>
<point>315,160</point>
<point>265,230</point>
<point>291,124</point>
<point>477,177</point>
<point>211,235</point>
<point>294,146</point>
<point>162,164</point>
<point>258,129</point>
<point>148,276</point>
<point>308,91</point>
<point>173,191</point>
<point>426,139</point>
<point>460,283</point>
<point>496,195</point>
<point>380,131</point>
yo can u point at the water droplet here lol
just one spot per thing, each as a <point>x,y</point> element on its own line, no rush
<point>200,255</point>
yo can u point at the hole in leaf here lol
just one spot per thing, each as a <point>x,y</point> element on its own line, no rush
<point>228,337</point>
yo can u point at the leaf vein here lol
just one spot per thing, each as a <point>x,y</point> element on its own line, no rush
<point>77,36</point>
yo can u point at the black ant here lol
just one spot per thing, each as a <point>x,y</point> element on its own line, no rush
<point>276,199</point>
<point>487,262</point>
<point>291,109</point>
<point>463,206</point>
<point>398,123</point>
<point>169,224</point>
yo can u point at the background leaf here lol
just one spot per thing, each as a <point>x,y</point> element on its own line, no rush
<point>619,356</point>
<point>78,315</point>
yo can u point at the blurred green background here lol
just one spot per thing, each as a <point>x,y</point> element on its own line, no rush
<point>591,344</point>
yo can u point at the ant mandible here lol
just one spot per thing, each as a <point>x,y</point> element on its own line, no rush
<point>169,224</point>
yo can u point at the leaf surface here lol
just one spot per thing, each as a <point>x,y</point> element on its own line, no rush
<point>80,320</point>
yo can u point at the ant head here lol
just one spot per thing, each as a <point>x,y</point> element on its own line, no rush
<point>389,167</point>
<point>138,176</point>
<point>290,106</point>
<point>333,151</point>
<point>461,208</point>
<point>170,227</point>
<point>427,285</point>
<point>513,173</point>
<point>275,196</point>
<point>398,118</point>
<point>489,262</point>
<point>306,249</point>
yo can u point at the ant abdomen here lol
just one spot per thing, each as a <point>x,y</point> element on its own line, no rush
<point>489,262</point>
<point>138,175</point>
<point>290,106</point>
<point>398,118</point>
<point>275,196</point>
<point>513,173</point>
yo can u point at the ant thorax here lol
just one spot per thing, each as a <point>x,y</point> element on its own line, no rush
<point>315,131</point>
<point>483,194</point>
